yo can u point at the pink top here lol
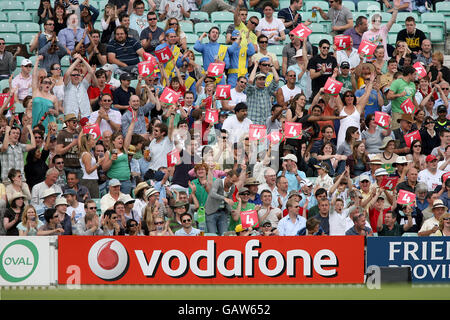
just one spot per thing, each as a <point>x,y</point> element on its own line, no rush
<point>217,174</point>
<point>378,37</point>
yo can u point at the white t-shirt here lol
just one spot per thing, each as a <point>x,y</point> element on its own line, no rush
<point>353,59</point>
<point>447,168</point>
<point>79,211</point>
<point>338,223</point>
<point>236,97</point>
<point>158,153</point>
<point>174,8</point>
<point>235,128</point>
<point>431,180</point>
<point>274,27</point>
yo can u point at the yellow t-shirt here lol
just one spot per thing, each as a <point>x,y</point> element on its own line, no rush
<point>243,30</point>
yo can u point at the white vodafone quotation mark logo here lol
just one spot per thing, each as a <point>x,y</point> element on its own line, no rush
<point>108,259</point>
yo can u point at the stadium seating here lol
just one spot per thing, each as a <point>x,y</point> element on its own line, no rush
<point>186,27</point>
<point>315,38</point>
<point>369,6</point>
<point>28,27</point>
<point>321,4</point>
<point>199,15</point>
<point>19,16</point>
<point>11,5</point>
<point>222,16</point>
<point>31,6</point>
<point>199,28</point>
<point>191,38</point>
<point>8,27</point>
<point>350,5</point>
<point>10,38</point>
<point>436,25</point>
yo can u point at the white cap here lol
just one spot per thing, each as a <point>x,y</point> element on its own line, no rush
<point>26,62</point>
<point>290,157</point>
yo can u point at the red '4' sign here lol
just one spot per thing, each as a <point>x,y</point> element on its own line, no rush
<point>410,137</point>
<point>169,96</point>
<point>405,197</point>
<point>249,219</point>
<point>301,31</point>
<point>333,87</point>
<point>212,115</point>
<point>342,42</point>
<point>389,182</point>
<point>164,54</point>
<point>367,47</point>
<point>293,130</point>
<point>173,157</point>
<point>382,119</point>
<point>223,92</point>
<point>257,132</point>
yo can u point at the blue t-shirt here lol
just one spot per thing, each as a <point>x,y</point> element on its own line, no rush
<point>372,104</point>
<point>293,183</point>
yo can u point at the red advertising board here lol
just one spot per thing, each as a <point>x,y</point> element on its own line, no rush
<point>211,260</point>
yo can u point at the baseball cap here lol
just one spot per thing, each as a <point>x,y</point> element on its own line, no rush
<point>401,160</point>
<point>108,67</point>
<point>441,108</point>
<point>289,157</point>
<point>364,177</point>
<point>114,182</point>
<point>71,192</point>
<point>243,189</point>
<point>430,158</point>
<point>26,62</point>
<point>260,75</point>
<point>294,193</point>
<point>235,33</point>
<point>170,31</point>
<point>264,59</point>
<point>125,76</point>
<point>345,64</point>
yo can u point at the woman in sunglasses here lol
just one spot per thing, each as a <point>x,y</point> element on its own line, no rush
<point>444,224</point>
<point>45,103</point>
<point>172,23</point>
<point>429,136</point>
<point>161,227</point>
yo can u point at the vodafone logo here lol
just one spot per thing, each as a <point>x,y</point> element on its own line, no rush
<point>108,259</point>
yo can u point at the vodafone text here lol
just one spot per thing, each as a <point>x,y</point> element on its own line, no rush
<point>243,262</point>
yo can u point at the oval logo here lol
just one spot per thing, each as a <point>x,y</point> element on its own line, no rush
<point>18,260</point>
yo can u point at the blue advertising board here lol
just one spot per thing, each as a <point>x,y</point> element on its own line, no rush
<point>428,257</point>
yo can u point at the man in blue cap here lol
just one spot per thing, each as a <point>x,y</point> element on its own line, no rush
<point>238,57</point>
<point>212,51</point>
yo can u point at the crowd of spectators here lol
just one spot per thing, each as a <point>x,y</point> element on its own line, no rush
<point>94,149</point>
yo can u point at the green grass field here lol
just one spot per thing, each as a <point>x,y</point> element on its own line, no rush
<point>231,292</point>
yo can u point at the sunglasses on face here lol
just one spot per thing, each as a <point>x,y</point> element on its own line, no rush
<point>92,208</point>
<point>263,42</point>
<point>133,225</point>
<point>186,220</point>
<point>254,23</point>
<point>159,223</point>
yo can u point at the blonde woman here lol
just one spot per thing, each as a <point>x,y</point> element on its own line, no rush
<point>30,223</point>
<point>161,227</point>
<point>148,218</point>
<point>173,23</point>
<point>109,21</point>
<point>444,225</point>
<point>89,164</point>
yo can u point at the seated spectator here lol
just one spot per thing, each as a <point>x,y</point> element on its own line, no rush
<point>88,16</point>
<point>17,185</point>
<point>373,135</point>
<point>124,52</point>
<point>424,56</point>
<point>356,33</point>
<point>359,227</point>
<point>96,51</point>
<point>152,35</point>
<point>73,182</point>
<point>273,28</point>
<point>438,71</point>
<point>411,35</point>
<point>138,18</point>
<point>162,227</point>
<point>178,9</point>
<point>109,21</point>
<point>390,227</point>
<point>444,224</point>
<point>187,229</point>
<point>105,116</point>
<point>349,55</point>
<point>291,16</point>
<point>430,227</point>
<point>110,226</point>
<point>263,42</point>
<point>124,20</point>
<point>52,226</point>
<point>7,61</point>
<point>89,225</point>
<point>72,34</point>
<point>341,17</point>
<point>29,222</point>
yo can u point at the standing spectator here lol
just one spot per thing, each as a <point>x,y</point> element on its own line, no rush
<point>264,55</point>
<point>238,92</point>
<point>219,202</point>
<point>356,33</point>
<point>141,112</point>
<point>375,100</point>
<point>291,224</point>
<point>401,89</point>
<point>102,87</point>
<point>285,94</point>
<point>341,17</point>
<point>152,35</point>
<point>411,35</point>
<point>124,52</point>
<point>321,67</point>
<point>76,99</point>
<point>52,53</point>
<point>291,17</point>
<point>239,56</point>
<point>12,151</point>
<point>89,165</point>
<point>273,28</point>
<point>7,61</point>
<point>378,34</point>
<point>72,34</point>
<point>349,55</point>
<point>161,144</point>
<point>243,25</point>
<point>259,95</point>
<point>138,18</point>
<point>23,80</point>
<point>67,143</point>
<point>242,204</point>
<point>60,18</point>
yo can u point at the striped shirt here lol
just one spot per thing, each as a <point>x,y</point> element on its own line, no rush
<point>125,52</point>
<point>259,102</point>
